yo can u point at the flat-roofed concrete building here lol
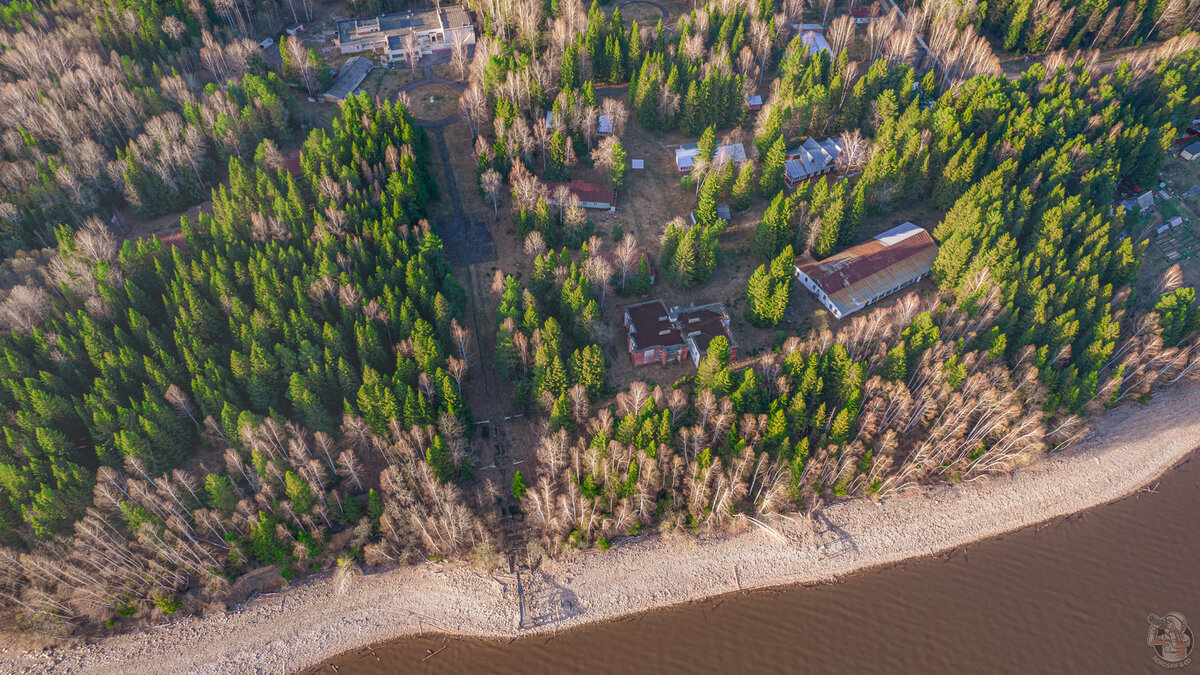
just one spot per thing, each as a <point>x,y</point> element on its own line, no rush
<point>864,274</point>
<point>394,36</point>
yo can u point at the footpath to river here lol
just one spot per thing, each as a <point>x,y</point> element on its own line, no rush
<point>310,624</point>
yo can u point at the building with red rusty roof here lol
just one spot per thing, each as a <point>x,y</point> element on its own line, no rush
<point>591,196</point>
<point>863,274</point>
<point>657,335</point>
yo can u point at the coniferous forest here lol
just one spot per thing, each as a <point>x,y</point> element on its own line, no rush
<point>284,386</point>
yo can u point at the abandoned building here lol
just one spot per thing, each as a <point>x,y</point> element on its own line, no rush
<point>659,335</point>
<point>591,196</point>
<point>811,159</point>
<point>395,36</point>
<point>864,274</point>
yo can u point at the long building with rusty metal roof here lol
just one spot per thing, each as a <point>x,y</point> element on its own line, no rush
<point>868,272</point>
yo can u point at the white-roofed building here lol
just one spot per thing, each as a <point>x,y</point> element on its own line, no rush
<point>815,42</point>
<point>685,155</point>
<point>809,160</point>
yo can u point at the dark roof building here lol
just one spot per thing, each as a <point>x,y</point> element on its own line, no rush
<point>174,238</point>
<point>810,159</point>
<point>652,337</point>
<point>350,75</point>
<point>701,325</point>
<point>292,162</point>
<point>863,274</point>
<point>660,336</point>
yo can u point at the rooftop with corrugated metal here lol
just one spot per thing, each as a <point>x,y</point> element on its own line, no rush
<point>874,268</point>
<point>350,75</point>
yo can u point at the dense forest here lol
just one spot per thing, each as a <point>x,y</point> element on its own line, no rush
<point>284,386</point>
<point>176,414</point>
<point>130,103</point>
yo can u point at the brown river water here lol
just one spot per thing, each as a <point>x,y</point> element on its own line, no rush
<point>1068,596</point>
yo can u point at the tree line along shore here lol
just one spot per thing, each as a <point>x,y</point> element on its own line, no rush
<point>287,384</point>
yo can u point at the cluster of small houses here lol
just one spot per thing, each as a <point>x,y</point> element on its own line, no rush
<point>811,159</point>
<point>844,283</point>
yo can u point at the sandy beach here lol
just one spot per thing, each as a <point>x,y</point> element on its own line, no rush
<point>303,626</point>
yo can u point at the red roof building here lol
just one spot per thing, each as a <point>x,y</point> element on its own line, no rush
<point>863,274</point>
<point>174,238</point>
<point>652,336</point>
<point>657,335</point>
<point>591,196</point>
<point>292,160</point>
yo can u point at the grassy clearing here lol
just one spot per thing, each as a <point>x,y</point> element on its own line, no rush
<point>433,101</point>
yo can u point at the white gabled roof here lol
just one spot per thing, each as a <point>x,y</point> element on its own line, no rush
<point>898,234</point>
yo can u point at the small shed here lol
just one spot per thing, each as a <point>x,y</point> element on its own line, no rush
<point>1191,152</point>
<point>723,213</point>
<point>1145,200</point>
<point>1162,229</point>
<point>294,30</point>
<point>638,164</point>
<point>1175,222</point>
<point>804,27</point>
<point>754,102</point>
<point>605,124</point>
<point>549,119</point>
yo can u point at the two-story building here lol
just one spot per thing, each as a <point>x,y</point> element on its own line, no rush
<point>394,35</point>
<point>659,335</point>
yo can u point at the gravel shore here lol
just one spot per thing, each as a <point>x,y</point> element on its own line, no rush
<point>303,626</point>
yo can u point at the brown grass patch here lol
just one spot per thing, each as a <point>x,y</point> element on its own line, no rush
<point>433,101</point>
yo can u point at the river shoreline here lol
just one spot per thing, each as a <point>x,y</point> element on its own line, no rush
<point>308,625</point>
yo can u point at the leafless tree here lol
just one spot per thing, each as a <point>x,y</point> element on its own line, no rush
<point>853,155</point>
<point>462,340</point>
<point>627,255</point>
<point>535,243</point>
<point>24,308</point>
<point>299,57</point>
<point>599,271</point>
<point>474,107</point>
<point>840,33</point>
<point>459,50</point>
<point>490,182</point>
<point>602,156</point>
